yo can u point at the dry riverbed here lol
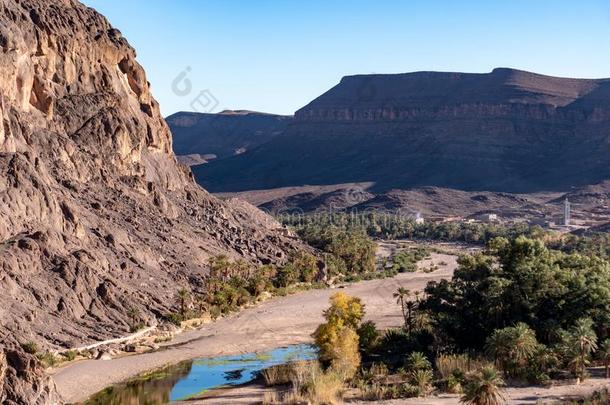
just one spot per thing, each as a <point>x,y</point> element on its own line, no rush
<point>274,323</point>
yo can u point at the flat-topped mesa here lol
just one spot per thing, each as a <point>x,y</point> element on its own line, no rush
<point>507,130</point>
<point>225,134</point>
<point>412,96</point>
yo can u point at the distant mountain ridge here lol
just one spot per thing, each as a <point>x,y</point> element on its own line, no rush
<point>507,130</point>
<point>224,134</point>
<point>440,89</point>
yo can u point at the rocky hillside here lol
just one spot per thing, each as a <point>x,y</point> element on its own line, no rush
<point>507,130</point>
<point>96,216</point>
<point>228,133</point>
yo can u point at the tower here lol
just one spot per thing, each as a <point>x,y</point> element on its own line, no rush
<point>566,212</point>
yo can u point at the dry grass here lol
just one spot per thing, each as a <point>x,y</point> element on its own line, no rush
<point>278,375</point>
<point>301,374</point>
<point>447,364</point>
<point>325,388</point>
<point>310,384</point>
<point>271,398</point>
<point>283,398</point>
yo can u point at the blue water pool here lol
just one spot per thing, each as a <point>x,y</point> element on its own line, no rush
<point>190,378</point>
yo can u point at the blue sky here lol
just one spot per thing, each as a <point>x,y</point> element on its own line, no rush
<point>276,56</point>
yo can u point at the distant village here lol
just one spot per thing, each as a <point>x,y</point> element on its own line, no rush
<point>562,222</point>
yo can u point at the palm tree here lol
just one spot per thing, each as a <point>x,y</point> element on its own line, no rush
<point>202,303</point>
<point>402,296</point>
<point>422,378</point>
<point>512,347</point>
<point>524,343</point>
<point>604,354</point>
<point>418,361</point>
<point>582,342</point>
<point>183,296</point>
<point>484,388</point>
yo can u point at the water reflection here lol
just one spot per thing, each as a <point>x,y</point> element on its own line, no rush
<point>149,389</point>
<point>191,378</point>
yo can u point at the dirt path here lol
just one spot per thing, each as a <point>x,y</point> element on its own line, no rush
<point>275,323</point>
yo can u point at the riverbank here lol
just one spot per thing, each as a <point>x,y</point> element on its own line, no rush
<point>255,392</point>
<point>277,322</point>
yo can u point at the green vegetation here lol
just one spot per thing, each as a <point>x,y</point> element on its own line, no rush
<point>519,281</point>
<point>393,226</point>
<point>406,261</point>
<point>483,388</point>
<point>604,355</point>
<point>352,251</point>
<point>231,284</point>
<point>324,381</point>
<point>512,348</point>
<point>70,355</point>
<point>518,311</point>
<point>47,359</point>
<point>30,347</point>
<point>135,323</point>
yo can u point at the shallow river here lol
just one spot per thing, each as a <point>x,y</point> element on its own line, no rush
<point>190,378</point>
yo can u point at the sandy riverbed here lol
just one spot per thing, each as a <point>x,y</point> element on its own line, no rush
<point>277,322</point>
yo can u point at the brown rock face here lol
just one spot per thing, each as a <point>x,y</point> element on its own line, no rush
<point>507,131</point>
<point>96,216</point>
<point>23,381</point>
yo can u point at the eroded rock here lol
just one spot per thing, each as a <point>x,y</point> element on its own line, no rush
<point>94,214</point>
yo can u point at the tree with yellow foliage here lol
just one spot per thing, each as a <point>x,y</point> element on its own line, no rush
<point>337,338</point>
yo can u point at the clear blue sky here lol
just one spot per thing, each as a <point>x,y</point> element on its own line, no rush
<point>276,56</point>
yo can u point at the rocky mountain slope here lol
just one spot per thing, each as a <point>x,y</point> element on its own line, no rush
<point>96,216</point>
<point>221,135</point>
<point>507,131</point>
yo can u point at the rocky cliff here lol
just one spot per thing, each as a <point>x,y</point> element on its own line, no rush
<point>507,130</point>
<point>96,216</point>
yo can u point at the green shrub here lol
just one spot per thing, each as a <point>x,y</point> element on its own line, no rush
<point>215,312</point>
<point>422,379</point>
<point>48,359</point>
<point>30,347</point>
<point>368,335</point>
<point>137,326</point>
<point>406,260</point>
<point>286,276</point>
<point>174,318</point>
<point>418,361</point>
<point>305,266</point>
<point>70,355</point>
